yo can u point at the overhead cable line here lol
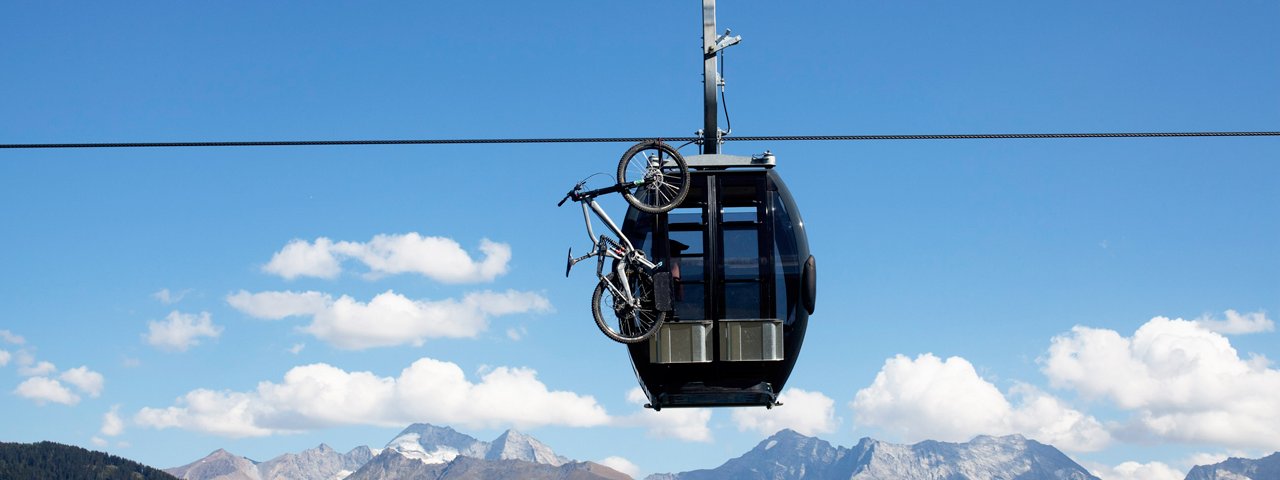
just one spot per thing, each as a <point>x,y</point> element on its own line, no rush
<point>757,138</point>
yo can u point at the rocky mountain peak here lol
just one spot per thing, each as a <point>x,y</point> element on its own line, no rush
<point>513,445</point>
<point>1234,468</point>
<point>220,453</point>
<point>220,464</point>
<point>431,444</point>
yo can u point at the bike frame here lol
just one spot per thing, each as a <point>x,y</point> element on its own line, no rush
<point>620,249</point>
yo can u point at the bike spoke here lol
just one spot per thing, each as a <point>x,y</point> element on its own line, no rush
<point>663,198</point>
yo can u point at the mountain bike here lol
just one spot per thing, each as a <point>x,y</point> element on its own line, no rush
<point>633,299</point>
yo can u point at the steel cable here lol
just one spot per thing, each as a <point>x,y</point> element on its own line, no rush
<point>756,138</point>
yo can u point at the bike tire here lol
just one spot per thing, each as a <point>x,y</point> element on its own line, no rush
<point>634,325</point>
<point>663,187</point>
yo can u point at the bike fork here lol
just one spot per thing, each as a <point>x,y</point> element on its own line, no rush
<point>620,272</point>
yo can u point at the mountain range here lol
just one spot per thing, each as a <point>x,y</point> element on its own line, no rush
<point>430,452</point>
<point>420,451</point>
<point>789,455</point>
<point>1265,468</point>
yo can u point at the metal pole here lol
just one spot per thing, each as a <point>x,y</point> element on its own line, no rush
<point>710,121</point>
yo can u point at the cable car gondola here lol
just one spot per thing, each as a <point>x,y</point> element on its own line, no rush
<point>711,283</point>
<point>744,285</point>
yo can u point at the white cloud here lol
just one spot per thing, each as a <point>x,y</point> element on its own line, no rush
<point>98,442</point>
<point>1180,381</point>
<point>169,298</point>
<point>10,338</point>
<point>85,380</point>
<point>112,424</point>
<point>299,258</point>
<point>278,305</point>
<point>4,357</point>
<point>181,331</point>
<point>1135,471</point>
<point>1205,458</point>
<point>439,258</point>
<point>320,395</point>
<point>297,348</point>
<point>928,398</point>
<point>389,318</point>
<point>687,424</point>
<point>622,465</point>
<point>517,333</point>
<point>808,413</point>
<point>1237,323</point>
<point>30,368</point>
<point>220,413</point>
<point>44,390</point>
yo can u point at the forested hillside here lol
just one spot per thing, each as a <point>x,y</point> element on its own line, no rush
<point>48,460</point>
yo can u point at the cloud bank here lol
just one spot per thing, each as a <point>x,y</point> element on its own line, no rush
<point>44,390</point>
<point>112,424</point>
<point>1136,471</point>
<point>687,424</point>
<point>933,399</point>
<point>389,318</point>
<point>622,465</point>
<point>1181,380</point>
<point>808,413</point>
<point>321,395</point>
<point>438,258</point>
<point>179,331</point>
<point>10,338</point>
<point>1237,323</point>
<point>85,380</point>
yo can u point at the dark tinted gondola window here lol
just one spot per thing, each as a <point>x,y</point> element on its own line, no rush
<point>742,300</point>
<point>741,253</point>
<point>687,254</point>
<point>787,263</point>
<point>739,214</point>
<point>741,237</point>
<point>686,242</point>
<point>690,216</point>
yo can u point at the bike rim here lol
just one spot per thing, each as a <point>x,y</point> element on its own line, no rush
<point>661,175</point>
<point>632,322</point>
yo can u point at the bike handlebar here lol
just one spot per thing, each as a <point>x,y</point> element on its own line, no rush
<point>572,193</point>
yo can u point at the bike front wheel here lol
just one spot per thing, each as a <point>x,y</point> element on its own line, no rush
<point>656,176</point>
<point>621,321</point>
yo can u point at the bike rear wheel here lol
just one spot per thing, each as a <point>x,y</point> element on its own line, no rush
<point>656,174</point>
<point>621,321</point>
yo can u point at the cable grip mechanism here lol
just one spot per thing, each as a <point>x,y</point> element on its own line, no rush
<point>723,41</point>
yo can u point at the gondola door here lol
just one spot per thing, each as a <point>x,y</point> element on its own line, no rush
<point>741,282</point>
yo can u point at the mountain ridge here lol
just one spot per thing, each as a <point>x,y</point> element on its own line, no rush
<point>1234,468</point>
<point>419,451</point>
<point>430,452</point>
<point>790,455</point>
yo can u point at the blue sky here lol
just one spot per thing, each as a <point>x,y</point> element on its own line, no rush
<point>1108,296</point>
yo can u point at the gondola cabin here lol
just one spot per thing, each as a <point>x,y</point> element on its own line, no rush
<point>743,287</point>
